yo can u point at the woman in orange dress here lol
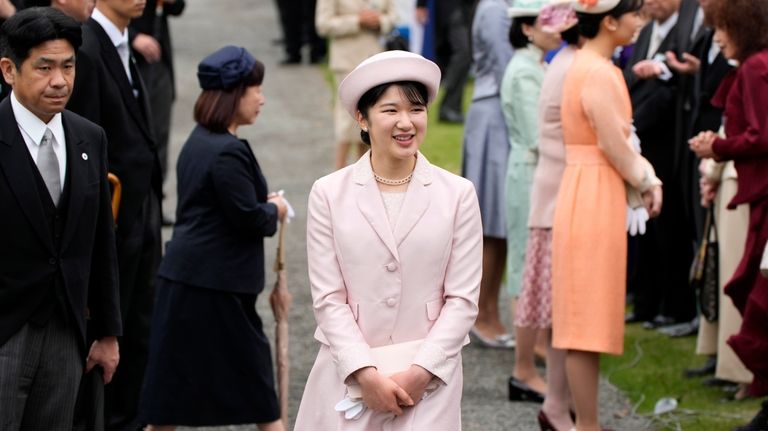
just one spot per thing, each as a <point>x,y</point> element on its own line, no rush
<point>589,245</point>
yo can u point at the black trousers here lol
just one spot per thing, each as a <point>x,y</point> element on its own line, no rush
<point>159,82</point>
<point>454,57</point>
<point>138,256</point>
<point>299,29</point>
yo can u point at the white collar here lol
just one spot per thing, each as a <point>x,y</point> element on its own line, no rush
<point>665,27</point>
<point>33,126</point>
<point>110,28</point>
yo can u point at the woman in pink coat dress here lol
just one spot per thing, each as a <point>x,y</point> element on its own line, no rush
<point>394,247</point>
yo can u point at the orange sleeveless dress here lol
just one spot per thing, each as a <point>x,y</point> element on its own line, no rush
<point>589,245</point>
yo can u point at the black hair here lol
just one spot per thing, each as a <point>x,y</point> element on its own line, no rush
<point>571,36</point>
<point>589,24</point>
<point>517,38</point>
<point>415,92</point>
<point>31,27</point>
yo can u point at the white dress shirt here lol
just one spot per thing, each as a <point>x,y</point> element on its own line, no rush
<point>659,33</point>
<point>32,130</point>
<point>118,38</point>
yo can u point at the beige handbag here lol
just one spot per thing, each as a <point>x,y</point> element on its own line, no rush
<point>764,262</point>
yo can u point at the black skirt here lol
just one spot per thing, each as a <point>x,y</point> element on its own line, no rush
<point>209,360</point>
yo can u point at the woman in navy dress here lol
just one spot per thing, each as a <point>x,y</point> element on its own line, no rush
<point>209,360</point>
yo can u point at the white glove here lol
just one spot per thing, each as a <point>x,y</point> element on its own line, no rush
<point>291,213</point>
<point>353,408</point>
<point>636,219</point>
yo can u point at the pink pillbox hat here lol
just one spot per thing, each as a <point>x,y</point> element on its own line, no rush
<point>388,66</point>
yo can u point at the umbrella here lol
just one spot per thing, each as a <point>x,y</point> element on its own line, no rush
<point>89,406</point>
<point>280,299</point>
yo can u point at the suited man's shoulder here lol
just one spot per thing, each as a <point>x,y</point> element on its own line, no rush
<point>76,123</point>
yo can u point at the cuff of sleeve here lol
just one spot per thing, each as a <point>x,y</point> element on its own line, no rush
<point>432,358</point>
<point>717,148</point>
<point>649,180</point>
<point>666,74</point>
<point>634,197</point>
<point>353,358</point>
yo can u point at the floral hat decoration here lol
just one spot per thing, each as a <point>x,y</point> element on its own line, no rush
<point>558,16</point>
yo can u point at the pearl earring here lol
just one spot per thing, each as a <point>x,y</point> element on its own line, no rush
<point>365,129</point>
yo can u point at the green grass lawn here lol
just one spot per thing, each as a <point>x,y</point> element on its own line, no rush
<point>652,368</point>
<point>652,365</point>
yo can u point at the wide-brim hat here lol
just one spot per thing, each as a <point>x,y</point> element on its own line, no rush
<point>523,8</point>
<point>385,67</point>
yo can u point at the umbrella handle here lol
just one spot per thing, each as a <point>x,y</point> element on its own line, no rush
<point>280,258</point>
<point>117,192</point>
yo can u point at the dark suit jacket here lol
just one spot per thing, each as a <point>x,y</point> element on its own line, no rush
<point>86,260</point>
<point>103,94</point>
<point>653,106</point>
<point>157,26</point>
<point>705,116</point>
<point>222,216</point>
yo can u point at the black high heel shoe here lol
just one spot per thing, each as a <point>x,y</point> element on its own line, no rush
<point>519,391</point>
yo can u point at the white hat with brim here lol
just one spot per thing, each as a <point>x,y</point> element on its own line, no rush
<point>385,67</point>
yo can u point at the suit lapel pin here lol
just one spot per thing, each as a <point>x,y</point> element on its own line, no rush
<point>84,156</point>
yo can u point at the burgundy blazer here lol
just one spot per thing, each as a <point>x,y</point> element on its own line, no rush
<point>743,94</point>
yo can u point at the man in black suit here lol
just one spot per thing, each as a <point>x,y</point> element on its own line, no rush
<point>453,51</point>
<point>659,280</point>
<point>151,40</point>
<point>110,92</point>
<point>298,20</point>
<point>58,263</point>
<point>706,68</point>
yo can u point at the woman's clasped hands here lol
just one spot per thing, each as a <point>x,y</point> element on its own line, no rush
<point>701,144</point>
<point>382,393</point>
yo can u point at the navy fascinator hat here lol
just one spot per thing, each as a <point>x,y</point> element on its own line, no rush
<point>225,68</point>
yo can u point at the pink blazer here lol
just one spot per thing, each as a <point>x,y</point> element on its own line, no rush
<point>373,285</point>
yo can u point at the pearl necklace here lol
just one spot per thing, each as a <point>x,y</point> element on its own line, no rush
<point>389,182</point>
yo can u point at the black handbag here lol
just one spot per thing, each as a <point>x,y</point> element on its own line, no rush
<point>704,275</point>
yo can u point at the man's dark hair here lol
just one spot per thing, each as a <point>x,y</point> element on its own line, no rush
<point>31,27</point>
<point>589,24</point>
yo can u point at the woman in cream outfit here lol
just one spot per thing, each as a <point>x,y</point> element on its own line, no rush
<point>720,180</point>
<point>353,28</point>
<point>394,248</point>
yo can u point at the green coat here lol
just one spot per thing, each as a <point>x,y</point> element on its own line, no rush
<point>520,90</point>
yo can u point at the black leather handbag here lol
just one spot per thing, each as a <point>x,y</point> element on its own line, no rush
<point>704,275</point>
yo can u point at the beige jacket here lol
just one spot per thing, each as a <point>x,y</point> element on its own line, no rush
<point>350,44</point>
